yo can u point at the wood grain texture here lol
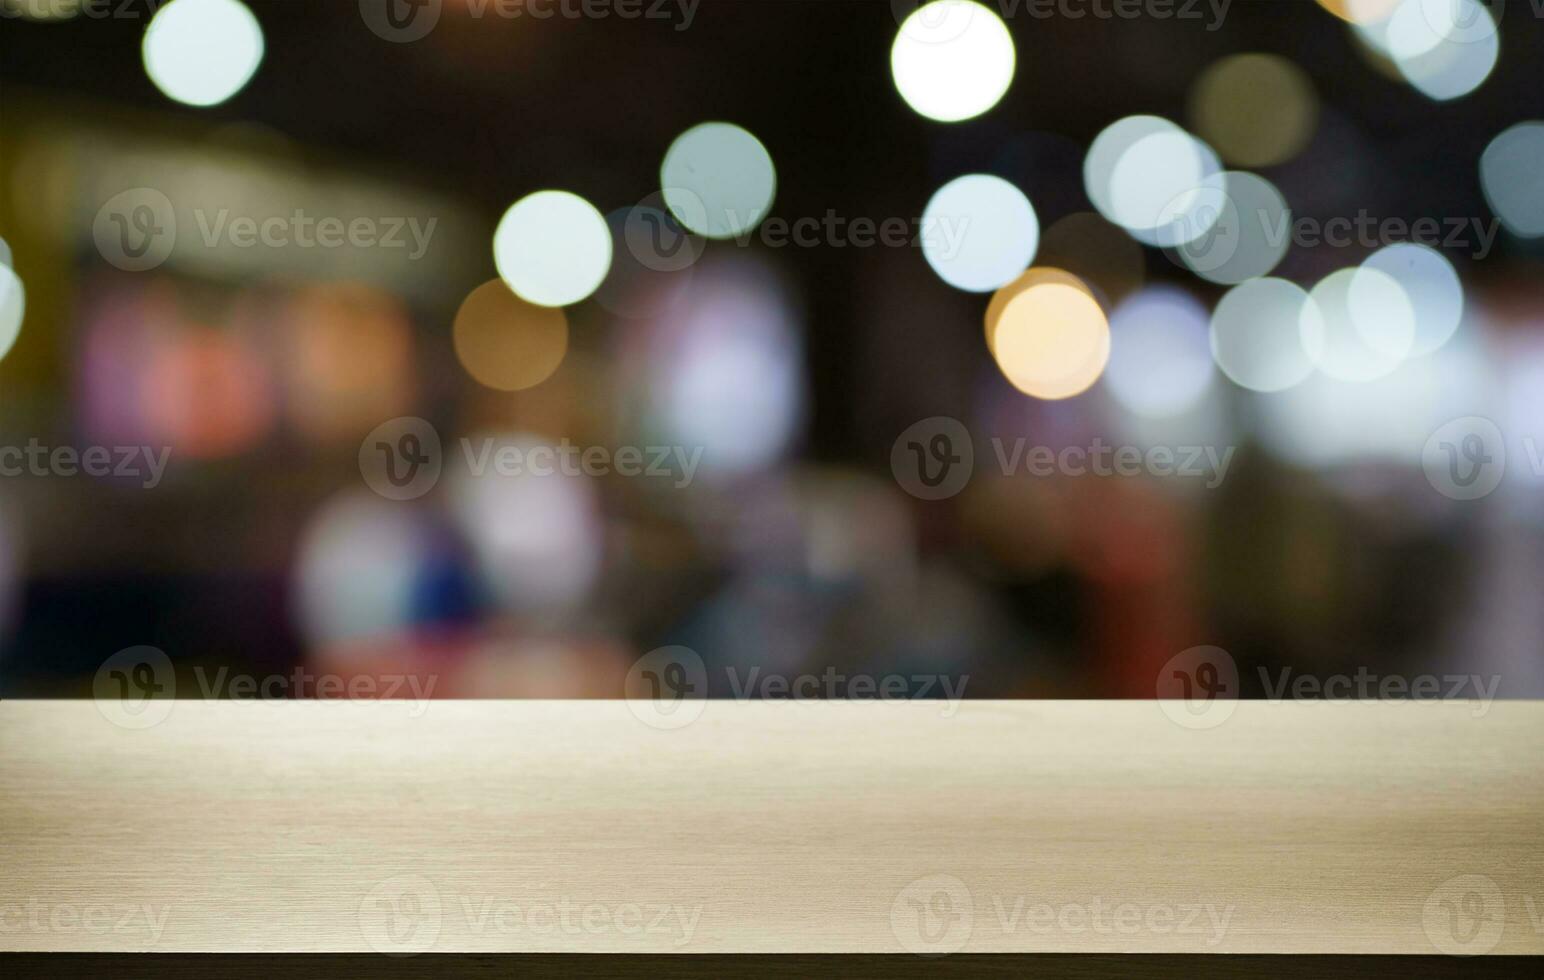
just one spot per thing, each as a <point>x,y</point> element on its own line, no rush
<point>488,826</point>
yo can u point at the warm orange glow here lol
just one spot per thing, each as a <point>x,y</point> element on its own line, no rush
<point>1050,337</point>
<point>1360,11</point>
<point>505,342</point>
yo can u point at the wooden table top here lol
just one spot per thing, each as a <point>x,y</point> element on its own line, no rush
<point>480,826</point>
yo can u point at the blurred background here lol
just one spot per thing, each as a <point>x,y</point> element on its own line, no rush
<point>267,370</point>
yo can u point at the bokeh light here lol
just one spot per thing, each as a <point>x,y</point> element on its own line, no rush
<point>1160,357</point>
<point>980,233</point>
<point>349,360</point>
<point>358,569</point>
<point>1360,325</point>
<point>1050,337</point>
<point>1394,415</point>
<point>1040,275</point>
<point>1445,49</point>
<point>506,343</point>
<point>1249,237</point>
<point>1255,109</point>
<point>725,373</point>
<point>202,52</point>
<point>13,307</point>
<point>534,529</point>
<point>1257,335</point>
<point>953,60</point>
<point>1432,287</point>
<point>1513,178</point>
<point>553,248</point>
<point>210,395</point>
<point>1360,11</point>
<point>1155,180</point>
<point>718,180</point>
<point>41,10</point>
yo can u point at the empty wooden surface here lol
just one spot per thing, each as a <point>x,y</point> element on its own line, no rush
<point>574,827</point>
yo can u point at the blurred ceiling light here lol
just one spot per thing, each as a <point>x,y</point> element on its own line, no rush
<point>952,60</point>
<point>979,233</point>
<point>1257,335</point>
<point>1513,178</point>
<point>1249,237</point>
<point>1360,326</point>
<point>1432,286</point>
<point>13,307</point>
<point>506,343</point>
<point>1256,109</point>
<point>552,248</point>
<point>1160,358</point>
<point>1155,180</point>
<point>202,52</point>
<point>1051,340</point>
<point>718,180</point>
<point>535,531</point>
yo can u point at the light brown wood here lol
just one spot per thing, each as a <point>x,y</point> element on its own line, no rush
<point>573,827</point>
